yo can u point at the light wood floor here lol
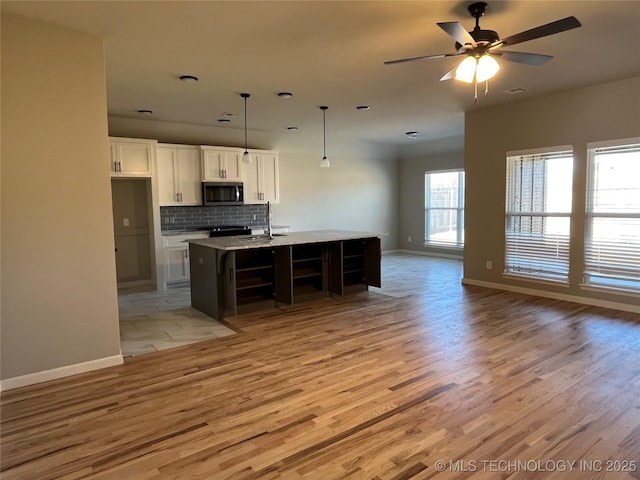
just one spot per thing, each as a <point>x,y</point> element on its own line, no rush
<point>366,387</point>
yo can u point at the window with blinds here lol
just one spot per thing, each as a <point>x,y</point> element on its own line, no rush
<point>538,214</point>
<point>612,247</point>
<point>444,209</point>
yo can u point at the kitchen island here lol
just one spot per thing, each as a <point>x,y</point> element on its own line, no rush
<point>232,275</point>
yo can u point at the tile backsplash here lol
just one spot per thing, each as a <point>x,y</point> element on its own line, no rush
<point>188,218</point>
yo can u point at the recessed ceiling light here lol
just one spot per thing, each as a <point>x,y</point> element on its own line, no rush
<point>292,128</point>
<point>228,114</point>
<point>145,112</point>
<point>516,90</point>
<point>188,78</point>
<point>411,134</point>
<point>224,120</point>
<point>285,94</point>
<point>363,107</point>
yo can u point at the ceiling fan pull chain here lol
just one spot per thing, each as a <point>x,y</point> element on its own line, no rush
<point>475,96</point>
<point>486,88</point>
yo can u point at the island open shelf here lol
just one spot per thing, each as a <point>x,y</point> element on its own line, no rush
<point>233,275</point>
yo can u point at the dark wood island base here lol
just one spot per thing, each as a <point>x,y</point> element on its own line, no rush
<point>235,275</point>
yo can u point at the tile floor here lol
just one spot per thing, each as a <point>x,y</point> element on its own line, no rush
<point>153,321</point>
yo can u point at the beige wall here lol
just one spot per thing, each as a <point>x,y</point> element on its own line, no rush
<point>605,112</point>
<point>59,299</point>
<point>358,192</point>
<point>416,160</point>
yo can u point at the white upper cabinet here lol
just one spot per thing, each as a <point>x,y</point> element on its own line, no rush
<point>179,177</point>
<point>221,164</point>
<point>261,179</point>
<point>131,157</point>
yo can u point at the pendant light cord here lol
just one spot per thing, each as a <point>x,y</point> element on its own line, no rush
<point>245,124</point>
<point>324,133</point>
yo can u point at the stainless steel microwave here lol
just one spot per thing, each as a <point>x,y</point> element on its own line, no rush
<point>219,193</point>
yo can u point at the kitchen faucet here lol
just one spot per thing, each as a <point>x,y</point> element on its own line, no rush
<point>269,230</point>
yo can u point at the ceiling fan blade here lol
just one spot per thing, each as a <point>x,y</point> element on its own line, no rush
<point>458,32</point>
<point>424,57</point>
<point>522,57</point>
<point>449,75</point>
<point>541,31</point>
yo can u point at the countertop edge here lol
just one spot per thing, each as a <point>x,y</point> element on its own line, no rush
<point>242,242</point>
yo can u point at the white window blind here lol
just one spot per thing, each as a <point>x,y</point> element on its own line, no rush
<point>538,213</point>
<point>612,247</point>
<point>444,208</point>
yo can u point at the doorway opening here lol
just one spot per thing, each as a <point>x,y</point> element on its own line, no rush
<point>133,232</point>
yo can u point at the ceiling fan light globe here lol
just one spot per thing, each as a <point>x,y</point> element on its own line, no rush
<point>466,70</point>
<point>487,68</point>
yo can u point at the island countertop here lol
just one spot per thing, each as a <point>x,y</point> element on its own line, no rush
<point>243,242</point>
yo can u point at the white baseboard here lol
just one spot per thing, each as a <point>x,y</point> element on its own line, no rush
<point>426,253</point>
<point>60,372</point>
<point>387,252</point>
<point>556,296</point>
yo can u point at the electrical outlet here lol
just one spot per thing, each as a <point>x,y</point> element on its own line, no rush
<point>125,222</point>
<point>488,264</point>
<point>409,238</point>
<point>172,219</point>
<point>255,217</point>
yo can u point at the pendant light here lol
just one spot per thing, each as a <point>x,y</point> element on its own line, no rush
<point>324,162</point>
<point>246,158</point>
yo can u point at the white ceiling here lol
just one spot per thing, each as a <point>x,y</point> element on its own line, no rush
<point>332,53</point>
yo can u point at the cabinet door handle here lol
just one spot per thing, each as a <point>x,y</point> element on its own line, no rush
<point>180,197</point>
<point>177,197</point>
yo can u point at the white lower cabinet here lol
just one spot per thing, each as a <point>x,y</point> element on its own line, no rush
<point>179,177</point>
<point>176,256</point>
<point>260,178</point>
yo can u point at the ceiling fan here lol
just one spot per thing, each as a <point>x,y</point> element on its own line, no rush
<point>480,46</point>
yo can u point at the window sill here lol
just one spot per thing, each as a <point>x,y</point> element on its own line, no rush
<point>542,281</point>
<point>612,290</point>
